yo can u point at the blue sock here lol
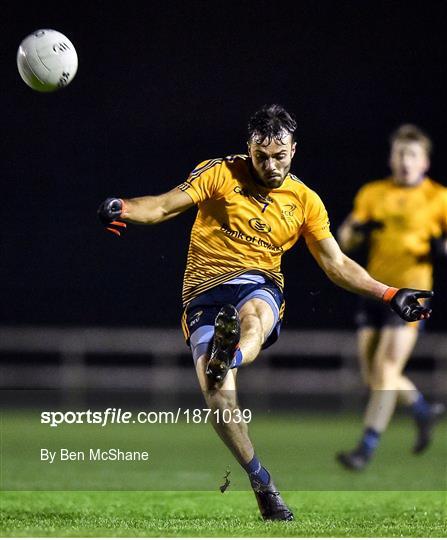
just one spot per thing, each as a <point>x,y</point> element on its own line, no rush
<point>369,442</point>
<point>420,409</point>
<point>237,359</point>
<point>256,471</point>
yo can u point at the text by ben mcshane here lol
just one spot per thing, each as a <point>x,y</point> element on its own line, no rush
<point>92,454</point>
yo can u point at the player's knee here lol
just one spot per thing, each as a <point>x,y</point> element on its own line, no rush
<point>384,376</point>
<point>251,325</point>
<point>255,307</point>
<point>250,312</point>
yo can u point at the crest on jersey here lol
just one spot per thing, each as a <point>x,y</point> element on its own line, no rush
<point>287,211</point>
<point>259,226</point>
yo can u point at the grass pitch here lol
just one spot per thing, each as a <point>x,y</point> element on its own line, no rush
<point>193,514</point>
<point>398,495</point>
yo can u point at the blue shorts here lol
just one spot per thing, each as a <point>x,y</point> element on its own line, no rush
<point>201,312</point>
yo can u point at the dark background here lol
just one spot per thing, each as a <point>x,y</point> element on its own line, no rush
<point>161,87</point>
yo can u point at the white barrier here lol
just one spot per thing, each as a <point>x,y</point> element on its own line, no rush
<point>166,345</point>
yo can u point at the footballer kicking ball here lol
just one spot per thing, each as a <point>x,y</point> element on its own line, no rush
<point>47,60</point>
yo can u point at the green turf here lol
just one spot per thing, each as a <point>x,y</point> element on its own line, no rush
<point>399,495</point>
<point>299,449</point>
<point>167,514</point>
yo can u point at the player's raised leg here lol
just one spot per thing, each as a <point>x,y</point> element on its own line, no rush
<point>239,334</point>
<point>257,321</point>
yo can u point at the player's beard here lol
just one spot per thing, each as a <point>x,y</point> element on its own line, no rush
<point>272,182</point>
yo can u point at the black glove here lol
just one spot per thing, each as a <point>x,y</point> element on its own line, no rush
<point>405,303</point>
<point>108,212</point>
<point>368,227</point>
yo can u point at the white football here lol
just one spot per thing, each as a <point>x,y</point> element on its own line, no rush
<point>47,60</point>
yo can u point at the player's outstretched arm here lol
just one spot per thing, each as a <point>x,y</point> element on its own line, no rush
<point>148,210</point>
<point>346,273</point>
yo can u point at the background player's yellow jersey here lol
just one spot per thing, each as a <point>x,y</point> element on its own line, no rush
<point>242,226</point>
<point>399,252</point>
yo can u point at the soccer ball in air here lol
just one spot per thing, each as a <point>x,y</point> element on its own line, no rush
<point>47,60</point>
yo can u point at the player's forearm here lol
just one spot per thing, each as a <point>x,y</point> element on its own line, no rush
<point>346,273</point>
<point>349,275</point>
<point>143,210</point>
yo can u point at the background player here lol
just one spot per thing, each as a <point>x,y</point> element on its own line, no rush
<point>250,211</point>
<point>399,217</point>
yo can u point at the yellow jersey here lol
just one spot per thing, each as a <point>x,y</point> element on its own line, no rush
<point>411,215</point>
<point>242,226</point>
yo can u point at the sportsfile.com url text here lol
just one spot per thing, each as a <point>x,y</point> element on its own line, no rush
<point>114,415</point>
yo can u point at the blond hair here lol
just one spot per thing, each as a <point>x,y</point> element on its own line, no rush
<point>410,133</point>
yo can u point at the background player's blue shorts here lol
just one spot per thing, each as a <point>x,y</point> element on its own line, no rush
<point>201,312</point>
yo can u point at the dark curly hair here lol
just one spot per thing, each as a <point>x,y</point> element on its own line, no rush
<point>270,122</point>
